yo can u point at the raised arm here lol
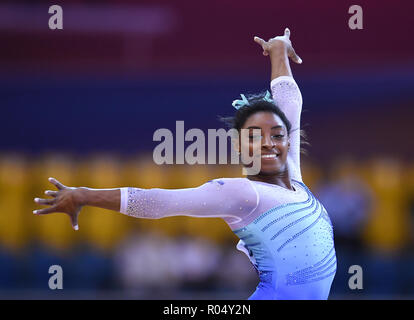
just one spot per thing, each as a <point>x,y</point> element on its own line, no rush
<point>285,92</point>
<point>230,199</point>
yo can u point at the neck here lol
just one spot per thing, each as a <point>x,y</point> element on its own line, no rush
<point>281,179</point>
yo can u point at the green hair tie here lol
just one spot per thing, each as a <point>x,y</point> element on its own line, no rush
<point>268,97</point>
<point>240,103</point>
<point>244,102</point>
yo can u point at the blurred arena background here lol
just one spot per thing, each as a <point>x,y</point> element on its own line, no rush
<point>81,104</point>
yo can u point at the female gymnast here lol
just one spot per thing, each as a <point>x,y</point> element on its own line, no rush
<point>283,229</point>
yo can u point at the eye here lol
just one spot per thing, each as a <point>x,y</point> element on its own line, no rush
<point>254,137</point>
<point>278,136</point>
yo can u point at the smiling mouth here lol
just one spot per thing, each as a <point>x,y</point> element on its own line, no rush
<point>269,156</point>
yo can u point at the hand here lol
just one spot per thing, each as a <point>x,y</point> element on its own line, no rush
<point>279,42</point>
<point>66,200</point>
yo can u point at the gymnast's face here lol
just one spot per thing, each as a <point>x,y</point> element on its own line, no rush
<point>274,141</point>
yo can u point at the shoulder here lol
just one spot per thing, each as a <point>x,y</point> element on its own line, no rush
<point>238,189</point>
<point>230,182</point>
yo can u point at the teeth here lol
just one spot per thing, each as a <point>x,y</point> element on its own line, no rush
<point>269,156</point>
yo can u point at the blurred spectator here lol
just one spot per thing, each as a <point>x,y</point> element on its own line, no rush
<point>199,260</point>
<point>144,261</point>
<point>348,202</point>
<point>154,261</point>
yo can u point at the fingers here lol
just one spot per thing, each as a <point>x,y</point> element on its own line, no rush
<point>262,43</point>
<point>295,57</point>
<point>45,201</point>
<point>287,33</point>
<point>51,193</point>
<point>74,221</point>
<point>45,211</point>
<point>259,41</point>
<point>56,183</point>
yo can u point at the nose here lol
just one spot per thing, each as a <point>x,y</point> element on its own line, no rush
<point>267,142</point>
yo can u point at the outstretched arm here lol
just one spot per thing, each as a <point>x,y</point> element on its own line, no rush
<point>230,199</point>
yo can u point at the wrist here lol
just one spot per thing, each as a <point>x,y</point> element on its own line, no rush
<point>278,52</point>
<point>279,60</point>
<point>278,47</point>
<point>81,196</point>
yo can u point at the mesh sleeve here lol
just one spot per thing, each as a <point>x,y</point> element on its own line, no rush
<point>288,98</point>
<point>227,198</point>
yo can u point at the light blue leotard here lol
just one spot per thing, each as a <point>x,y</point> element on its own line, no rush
<point>292,248</point>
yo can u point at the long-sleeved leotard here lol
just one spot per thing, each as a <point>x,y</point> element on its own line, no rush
<point>286,233</point>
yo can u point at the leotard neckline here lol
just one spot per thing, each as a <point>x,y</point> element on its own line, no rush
<point>296,185</point>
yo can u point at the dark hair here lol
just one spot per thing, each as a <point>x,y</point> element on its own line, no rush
<point>257,104</point>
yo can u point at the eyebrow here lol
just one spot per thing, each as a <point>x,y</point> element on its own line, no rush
<point>254,127</point>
